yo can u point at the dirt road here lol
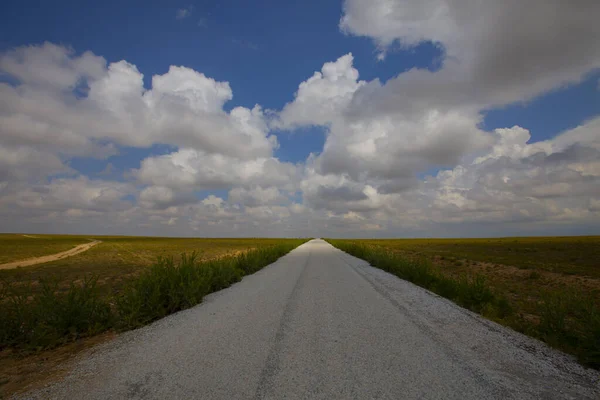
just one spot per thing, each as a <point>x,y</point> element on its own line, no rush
<point>51,257</point>
<point>320,324</point>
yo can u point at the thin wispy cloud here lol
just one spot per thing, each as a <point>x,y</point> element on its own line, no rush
<point>183,13</point>
<point>245,43</point>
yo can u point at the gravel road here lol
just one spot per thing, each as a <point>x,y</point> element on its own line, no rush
<point>321,324</point>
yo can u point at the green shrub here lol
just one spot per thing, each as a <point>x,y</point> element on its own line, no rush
<point>553,317</point>
<point>167,287</point>
<point>474,294</point>
<point>470,292</point>
<point>571,321</point>
<point>568,320</point>
<point>162,289</point>
<point>445,287</point>
<point>54,317</point>
<point>590,343</point>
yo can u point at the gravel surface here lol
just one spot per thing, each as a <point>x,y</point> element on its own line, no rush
<point>321,324</point>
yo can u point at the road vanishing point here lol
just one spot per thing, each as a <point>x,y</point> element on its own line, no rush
<point>321,324</point>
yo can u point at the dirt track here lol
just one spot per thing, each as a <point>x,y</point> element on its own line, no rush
<point>51,257</point>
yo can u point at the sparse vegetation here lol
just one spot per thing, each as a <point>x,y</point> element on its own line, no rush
<point>39,315</point>
<point>548,288</point>
<point>115,261</point>
<point>166,287</point>
<point>471,292</point>
<point>15,247</point>
<point>51,317</point>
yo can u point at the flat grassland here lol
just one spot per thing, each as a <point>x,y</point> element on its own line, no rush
<point>569,255</point>
<point>523,269</point>
<point>54,310</point>
<point>551,284</point>
<point>114,262</point>
<point>15,247</point>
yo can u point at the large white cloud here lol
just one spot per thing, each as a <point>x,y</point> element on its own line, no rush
<point>509,50</point>
<point>381,144</point>
<point>72,102</point>
<point>321,98</point>
<point>22,163</point>
<point>558,179</point>
<point>51,66</point>
<point>63,200</point>
<point>189,169</point>
<point>258,196</point>
<point>56,104</point>
<point>384,135</point>
<point>383,139</point>
<point>555,181</point>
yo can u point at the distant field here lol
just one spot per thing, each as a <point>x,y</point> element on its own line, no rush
<point>521,268</point>
<point>551,284</point>
<point>576,255</point>
<point>114,261</point>
<point>15,247</point>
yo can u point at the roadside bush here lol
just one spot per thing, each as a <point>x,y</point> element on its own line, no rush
<point>52,317</point>
<point>162,289</point>
<point>474,293</point>
<point>572,322</point>
<point>168,287</point>
<point>590,346</point>
<point>470,292</point>
<point>55,316</point>
<point>568,320</point>
<point>552,326</point>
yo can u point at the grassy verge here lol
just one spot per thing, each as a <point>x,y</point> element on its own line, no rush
<point>115,261</point>
<point>573,255</point>
<point>51,317</point>
<point>566,319</point>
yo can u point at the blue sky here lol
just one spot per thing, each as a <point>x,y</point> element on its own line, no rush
<point>238,41</point>
<point>282,43</point>
<point>265,50</point>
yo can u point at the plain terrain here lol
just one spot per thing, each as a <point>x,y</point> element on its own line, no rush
<point>54,310</point>
<point>320,324</point>
<point>115,261</point>
<point>551,286</point>
<point>548,287</point>
<point>569,255</point>
<point>15,247</point>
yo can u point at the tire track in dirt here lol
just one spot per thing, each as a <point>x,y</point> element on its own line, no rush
<point>51,257</point>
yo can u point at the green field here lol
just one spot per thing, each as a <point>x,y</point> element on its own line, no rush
<point>573,255</point>
<point>114,261</point>
<point>523,269</point>
<point>121,283</point>
<point>547,287</point>
<point>15,247</point>
<point>53,310</point>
